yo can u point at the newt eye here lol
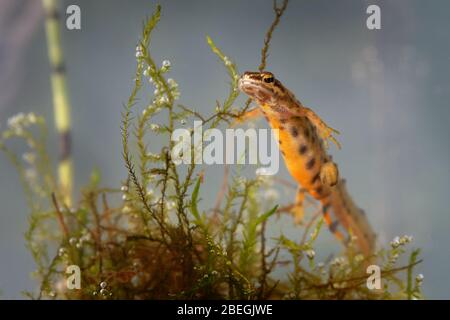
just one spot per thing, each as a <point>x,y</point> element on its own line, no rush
<point>267,78</point>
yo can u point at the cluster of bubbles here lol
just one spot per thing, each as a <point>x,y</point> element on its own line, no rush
<point>397,243</point>
<point>401,241</point>
<point>75,242</point>
<point>310,254</point>
<point>21,120</point>
<point>103,290</point>
<point>78,242</point>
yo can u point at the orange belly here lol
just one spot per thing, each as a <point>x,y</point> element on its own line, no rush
<point>302,154</point>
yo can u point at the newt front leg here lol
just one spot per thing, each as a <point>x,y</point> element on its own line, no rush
<point>324,131</point>
<point>248,115</point>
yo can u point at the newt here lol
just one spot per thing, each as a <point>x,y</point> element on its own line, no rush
<point>303,141</point>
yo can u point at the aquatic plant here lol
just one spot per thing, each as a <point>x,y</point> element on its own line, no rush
<point>158,242</point>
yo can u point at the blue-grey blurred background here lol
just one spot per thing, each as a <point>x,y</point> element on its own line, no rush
<point>387,91</point>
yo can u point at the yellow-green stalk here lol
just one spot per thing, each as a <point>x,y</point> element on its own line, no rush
<point>61,103</point>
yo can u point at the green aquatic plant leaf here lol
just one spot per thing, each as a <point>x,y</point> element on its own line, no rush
<point>250,240</point>
<point>194,203</point>
<point>412,291</point>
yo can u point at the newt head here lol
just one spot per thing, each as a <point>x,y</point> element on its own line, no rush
<point>265,89</point>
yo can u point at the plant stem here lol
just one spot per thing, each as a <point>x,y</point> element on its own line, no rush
<point>61,102</point>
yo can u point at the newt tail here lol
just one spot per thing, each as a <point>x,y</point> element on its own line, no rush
<point>302,138</point>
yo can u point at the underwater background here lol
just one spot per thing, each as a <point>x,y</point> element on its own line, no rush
<point>387,91</point>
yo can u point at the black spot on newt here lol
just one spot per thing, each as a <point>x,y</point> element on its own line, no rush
<point>310,164</point>
<point>303,148</point>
